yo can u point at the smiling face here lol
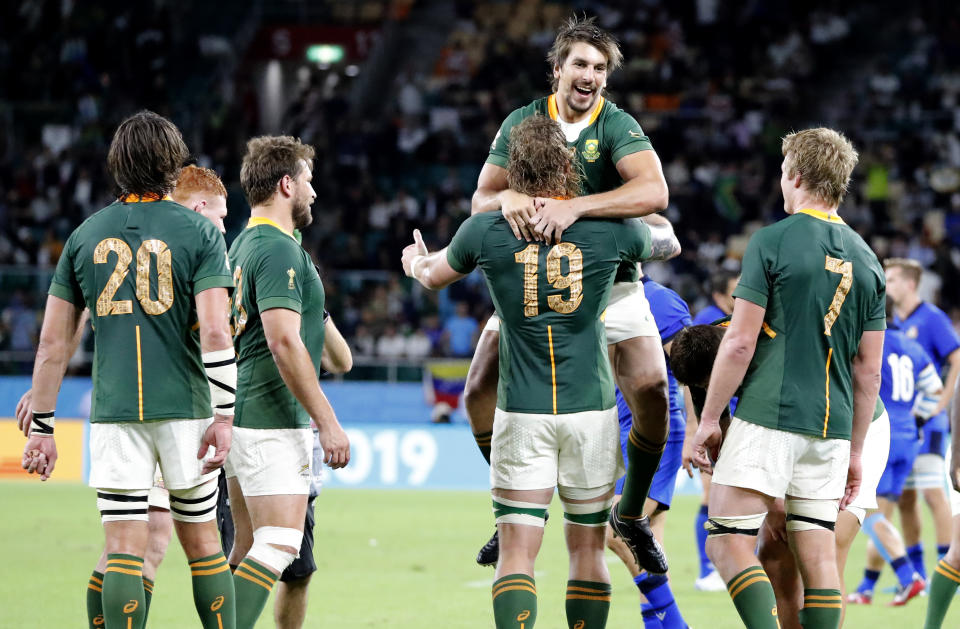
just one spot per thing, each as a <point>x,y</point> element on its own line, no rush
<point>581,78</point>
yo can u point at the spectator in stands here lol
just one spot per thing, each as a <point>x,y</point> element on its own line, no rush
<point>460,331</point>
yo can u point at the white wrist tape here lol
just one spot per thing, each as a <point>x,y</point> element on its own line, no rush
<point>413,265</point>
<point>221,368</point>
<point>42,423</point>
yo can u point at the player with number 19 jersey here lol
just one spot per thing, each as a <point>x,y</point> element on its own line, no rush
<point>822,288</point>
<point>137,265</point>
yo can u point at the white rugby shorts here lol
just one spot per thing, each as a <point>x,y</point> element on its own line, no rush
<point>125,455</point>
<point>538,451</point>
<point>876,449</point>
<point>271,461</point>
<point>779,463</point>
<point>627,316</point>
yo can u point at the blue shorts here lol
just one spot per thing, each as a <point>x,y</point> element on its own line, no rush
<point>935,436</point>
<point>665,478</point>
<point>903,452</point>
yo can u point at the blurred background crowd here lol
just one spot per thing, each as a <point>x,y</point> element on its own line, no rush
<point>401,99</point>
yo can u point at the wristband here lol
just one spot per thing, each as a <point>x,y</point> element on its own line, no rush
<point>221,368</point>
<point>42,423</point>
<point>413,265</point>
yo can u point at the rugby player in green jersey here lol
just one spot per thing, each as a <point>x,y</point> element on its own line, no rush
<point>147,269</point>
<point>806,394</point>
<point>557,425</point>
<point>279,332</point>
<point>621,177</point>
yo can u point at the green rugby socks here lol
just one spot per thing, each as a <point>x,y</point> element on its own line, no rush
<point>123,596</point>
<point>213,592</point>
<point>252,582</point>
<point>588,604</point>
<point>95,600</point>
<point>515,602</point>
<point>943,587</point>
<point>643,458</point>
<point>822,609</point>
<point>753,597</point>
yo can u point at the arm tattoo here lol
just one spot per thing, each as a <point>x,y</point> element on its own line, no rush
<point>663,243</point>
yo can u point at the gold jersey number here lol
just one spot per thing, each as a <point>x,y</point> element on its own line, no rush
<point>845,270</point>
<point>572,280</point>
<point>145,254</point>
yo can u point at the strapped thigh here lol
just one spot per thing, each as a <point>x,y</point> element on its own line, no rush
<point>807,514</point>
<point>508,511</point>
<point>196,504</point>
<point>594,513</point>
<point>116,505</point>
<point>735,525</point>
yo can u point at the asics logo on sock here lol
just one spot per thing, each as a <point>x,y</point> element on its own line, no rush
<point>217,604</point>
<point>98,620</point>
<point>580,624</point>
<point>131,606</point>
<point>525,614</point>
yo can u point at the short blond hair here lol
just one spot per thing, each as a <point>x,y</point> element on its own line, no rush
<point>196,179</point>
<point>910,268</point>
<point>824,158</point>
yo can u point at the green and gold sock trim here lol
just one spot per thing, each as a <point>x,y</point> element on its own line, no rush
<point>125,564</point>
<point>483,439</point>
<point>588,591</point>
<point>96,582</point>
<point>745,579</point>
<point>642,443</point>
<point>948,571</point>
<point>255,573</point>
<point>513,582</point>
<point>205,566</point>
<point>147,585</point>
<point>830,599</point>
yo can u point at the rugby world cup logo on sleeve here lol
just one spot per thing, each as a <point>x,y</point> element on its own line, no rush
<point>591,150</point>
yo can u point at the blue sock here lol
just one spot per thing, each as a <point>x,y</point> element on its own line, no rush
<point>904,569</point>
<point>650,620</point>
<point>705,566</point>
<point>942,550</point>
<point>656,589</point>
<point>915,553</point>
<point>869,581</point>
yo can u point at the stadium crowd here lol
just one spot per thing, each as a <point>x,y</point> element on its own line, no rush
<point>714,103</point>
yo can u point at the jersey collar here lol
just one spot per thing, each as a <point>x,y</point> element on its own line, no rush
<point>262,220</point>
<point>555,113</point>
<point>150,197</point>
<point>823,216</point>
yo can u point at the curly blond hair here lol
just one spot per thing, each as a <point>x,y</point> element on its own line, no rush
<point>540,163</point>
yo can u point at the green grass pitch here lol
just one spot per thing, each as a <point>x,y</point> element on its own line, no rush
<point>386,559</point>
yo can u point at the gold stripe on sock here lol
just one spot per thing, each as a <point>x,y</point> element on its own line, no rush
<point>822,597</point>
<point>827,605</point>
<point>136,573</point>
<point>948,567</point>
<point>124,562</point>
<point>747,584</point>
<point>211,562</point>
<point>751,572</point>
<point>267,577</point>
<point>588,598</point>
<point>96,580</point>
<point>577,588</point>
<point>940,570</point>
<point>204,573</point>
<point>509,581</point>
<point>94,587</point>
<point>267,586</point>
<point>525,588</point>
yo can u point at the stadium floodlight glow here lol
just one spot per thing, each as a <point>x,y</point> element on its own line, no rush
<point>325,53</point>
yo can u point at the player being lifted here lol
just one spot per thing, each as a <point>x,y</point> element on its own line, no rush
<point>808,390</point>
<point>556,413</point>
<point>621,177</point>
<point>147,269</point>
<point>279,329</point>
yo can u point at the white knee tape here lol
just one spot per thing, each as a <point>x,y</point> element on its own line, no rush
<point>734,525</point>
<point>116,505</point>
<point>508,511</point>
<point>592,514</point>
<point>811,515</point>
<point>591,494</point>
<point>196,504</point>
<point>272,556</point>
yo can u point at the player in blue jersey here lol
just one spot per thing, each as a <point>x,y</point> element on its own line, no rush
<point>910,388</point>
<point>660,610</point>
<point>931,328</point>
<point>722,285</point>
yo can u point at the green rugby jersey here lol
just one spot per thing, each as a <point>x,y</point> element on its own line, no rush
<point>137,266</point>
<point>822,287</point>
<point>271,270</point>
<point>553,345</point>
<point>610,135</point>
